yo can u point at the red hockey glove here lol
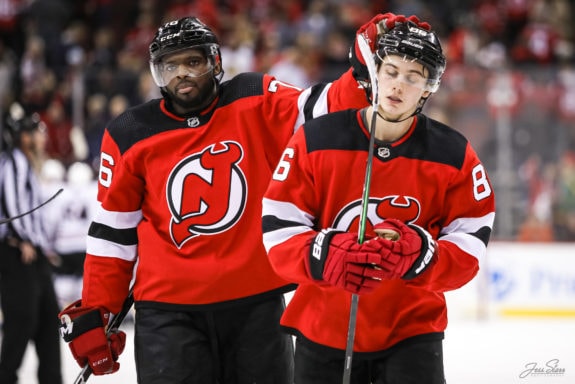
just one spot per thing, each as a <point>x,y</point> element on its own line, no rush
<point>412,249</point>
<point>421,24</point>
<point>370,31</point>
<point>379,24</point>
<point>84,330</point>
<point>337,258</point>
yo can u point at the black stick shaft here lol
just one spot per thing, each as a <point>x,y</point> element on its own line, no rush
<point>9,219</point>
<point>370,63</point>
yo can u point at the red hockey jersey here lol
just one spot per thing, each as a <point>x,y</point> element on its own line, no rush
<point>430,177</point>
<point>181,196</point>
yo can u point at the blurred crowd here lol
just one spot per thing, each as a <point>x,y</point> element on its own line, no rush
<point>509,85</point>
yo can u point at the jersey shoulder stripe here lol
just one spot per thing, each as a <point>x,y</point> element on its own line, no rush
<point>439,143</point>
<point>148,119</point>
<point>139,123</point>
<point>242,85</point>
<point>338,130</point>
<point>315,94</point>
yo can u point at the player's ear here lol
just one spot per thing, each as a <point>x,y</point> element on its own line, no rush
<point>217,58</point>
<point>218,68</point>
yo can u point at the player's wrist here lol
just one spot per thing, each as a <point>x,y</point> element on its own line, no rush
<point>319,252</point>
<point>427,255</point>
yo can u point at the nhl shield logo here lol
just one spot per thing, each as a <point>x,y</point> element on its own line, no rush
<point>193,122</point>
<point>383,152</point>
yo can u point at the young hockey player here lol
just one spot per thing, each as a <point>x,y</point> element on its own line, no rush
<point>429,217</point>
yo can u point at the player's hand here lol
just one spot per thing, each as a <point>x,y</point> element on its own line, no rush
<point>336,257</point>
<point>389,23</point>
<point>409,249</point>
<point>84,329</point>
<point>381,23</point>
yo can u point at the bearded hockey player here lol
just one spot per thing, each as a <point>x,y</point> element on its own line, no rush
<point>181,183</point>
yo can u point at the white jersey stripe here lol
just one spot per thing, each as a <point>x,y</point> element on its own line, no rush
<point>469,224</point>
<point>321,106</point>
<point>459,233</point>
<point>467,243</point>
<point>277,237</point>
<point>104,248</point>
<point>118,220</point>
<point>288,212</point>
<point>301,100</point>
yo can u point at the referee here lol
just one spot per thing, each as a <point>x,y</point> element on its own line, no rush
<point>27,297</point>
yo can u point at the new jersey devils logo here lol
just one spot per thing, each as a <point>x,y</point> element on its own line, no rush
<point>405,208</point>
<point>206,192</point>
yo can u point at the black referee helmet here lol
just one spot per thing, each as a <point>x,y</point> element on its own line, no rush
<point>17,121</point>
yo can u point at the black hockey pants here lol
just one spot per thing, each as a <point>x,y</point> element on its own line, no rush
<point>412,363</point>
<point>238,345</point>
<point>30,310</point>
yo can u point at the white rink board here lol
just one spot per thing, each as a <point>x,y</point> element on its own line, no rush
<point>520,279</point>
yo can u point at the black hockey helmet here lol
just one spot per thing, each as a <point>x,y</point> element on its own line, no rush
<point>416,44</point>
<point>18,121</point>
<point>179,35</point>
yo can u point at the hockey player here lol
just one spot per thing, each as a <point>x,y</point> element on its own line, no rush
<point>429,218</point>
<point>181,183</point>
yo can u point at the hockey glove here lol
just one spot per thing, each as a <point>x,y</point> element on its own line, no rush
<point>84,330</point>
<point>337,258</point>
<point>412,249</point>
<point>378,25</point>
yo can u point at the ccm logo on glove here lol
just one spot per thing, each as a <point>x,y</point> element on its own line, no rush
<point>84,329</point>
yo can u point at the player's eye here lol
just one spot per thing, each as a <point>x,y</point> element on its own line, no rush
<point>195,62</point>
<point>415,79</point>
<point>170,67</point>
<point>390,73</point>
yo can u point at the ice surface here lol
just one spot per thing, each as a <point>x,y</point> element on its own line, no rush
<point>476,352</point>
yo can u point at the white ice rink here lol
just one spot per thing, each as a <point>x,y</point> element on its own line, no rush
<point>493,350</point>
<point>476,352</point>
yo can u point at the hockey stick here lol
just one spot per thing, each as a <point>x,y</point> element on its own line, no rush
<point>369,61</point>
<point>9,219</point>
<point>86,372</point>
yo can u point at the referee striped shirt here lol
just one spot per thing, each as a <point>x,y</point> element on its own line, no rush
<point>19,193</point>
